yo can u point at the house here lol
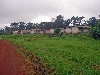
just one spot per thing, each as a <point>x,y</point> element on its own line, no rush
<point>71,29</point>
<point>25,31</point>
<point>68,30</point>
<point>84,28</point>
<point>36,31</point>
<point>42,31</point>
<point>77,29</point>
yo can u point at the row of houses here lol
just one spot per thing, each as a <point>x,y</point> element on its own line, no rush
<point>68,30</point>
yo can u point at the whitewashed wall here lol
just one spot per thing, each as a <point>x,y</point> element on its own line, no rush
<point>68,30</point>
<point>15,32</point>
<point>75,30</point>
<point>52,31</point>
<point>25,31</point>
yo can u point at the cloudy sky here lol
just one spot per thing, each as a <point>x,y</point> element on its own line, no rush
<point>37,11</point>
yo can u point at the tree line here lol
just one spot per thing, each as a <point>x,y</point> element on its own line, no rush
<point>59,22</point>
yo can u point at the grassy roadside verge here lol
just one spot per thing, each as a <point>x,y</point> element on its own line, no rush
<point>70,55</point>
<point>34,64</point>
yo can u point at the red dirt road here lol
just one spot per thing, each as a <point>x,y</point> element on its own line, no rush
<point>11,63</point>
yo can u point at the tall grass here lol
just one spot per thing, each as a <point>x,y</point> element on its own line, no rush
<point>71,55</point>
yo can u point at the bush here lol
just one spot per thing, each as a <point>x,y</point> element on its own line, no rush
<point>57,31</point>
<point>95,31</point>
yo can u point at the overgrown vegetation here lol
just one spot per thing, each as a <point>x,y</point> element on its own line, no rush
<point>95,31</point>
<point>72,55</point>
<point>57,31</point>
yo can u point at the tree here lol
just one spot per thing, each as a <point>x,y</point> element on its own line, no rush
<point>29,26</point>
<point>21,26</point>
<point>1,31</point>
<point>14,26</point>
<point>8,30</point>
<point>68,22</point>
<point>76,20</point>
<point>57,30</point>
<point>92,21</point>
<point>59,22</point>
<point>95,31</point>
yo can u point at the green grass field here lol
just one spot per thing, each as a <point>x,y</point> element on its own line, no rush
<point>70,55</point>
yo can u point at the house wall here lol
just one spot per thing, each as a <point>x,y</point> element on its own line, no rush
<point>52,31</point>
<point>68,30</point>
<point>15,32</point>
<point>75,30</point>
<point>46,31</point>
<point>32,32</point>
<point>41,32</point>
<point>25,31</point>
<point>36,31</point>
<point>62,30</point>
<point>86,30</point>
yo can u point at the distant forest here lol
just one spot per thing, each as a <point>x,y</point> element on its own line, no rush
<point>58,22</point>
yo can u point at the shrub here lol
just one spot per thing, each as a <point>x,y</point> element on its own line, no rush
<point>57,31</point>
<point>95,31</point>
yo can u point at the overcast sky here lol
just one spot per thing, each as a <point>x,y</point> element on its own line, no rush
<point>37,11</point>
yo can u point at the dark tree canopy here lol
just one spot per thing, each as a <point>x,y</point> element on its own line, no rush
<point>58,23</point>
<point>95,31</point>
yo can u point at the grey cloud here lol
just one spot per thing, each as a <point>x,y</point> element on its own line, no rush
<point>89,8</point>
<point>23,9</point>
<point>26,10</point>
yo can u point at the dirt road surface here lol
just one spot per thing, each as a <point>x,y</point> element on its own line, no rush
<point>11,63</point>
